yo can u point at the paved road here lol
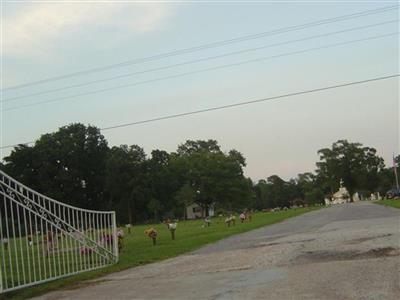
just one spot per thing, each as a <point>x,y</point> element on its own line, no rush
<point>350,251</point>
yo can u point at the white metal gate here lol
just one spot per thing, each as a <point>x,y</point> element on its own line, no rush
<point>42,239</point>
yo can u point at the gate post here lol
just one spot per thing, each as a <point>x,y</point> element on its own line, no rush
<point>114,224</point>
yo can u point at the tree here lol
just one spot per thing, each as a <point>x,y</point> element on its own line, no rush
<point>190,147</point>
<point>154,206</point>
<point>314,196</point>
<point>261,193</point>
<point>68,165</point>
<point>23,164</point>
<point>356,165</point>
<point>126,180</point>
<point>310,188</point>
<point>387,180</point>
<point>281,193</point>
<point>217,178</point>
<point>184,197</point>
<point>164,181</point>
<point>238,157</point>
<point>306,181</point>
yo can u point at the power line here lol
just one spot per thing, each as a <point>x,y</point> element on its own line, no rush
<point>251,102</point>
<point>195,72</point>
<point>331,87</point>
<point>16,145</point>
<point>211,45</point>
<point>197,60</point>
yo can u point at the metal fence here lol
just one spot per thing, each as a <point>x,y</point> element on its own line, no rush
<point>42,239</point>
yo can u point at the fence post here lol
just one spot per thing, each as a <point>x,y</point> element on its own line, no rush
<point>114,224</point>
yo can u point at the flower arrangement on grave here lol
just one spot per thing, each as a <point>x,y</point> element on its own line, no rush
<point>30,240</point>
<point>167,222</point>
<point>233,220</point>
<point>230,220</point>
<point>107,239</point>
<point>86,250</point>
<point>172,228</point>
<point>249,215</point>
<point>51,242</point>
<point>242,217</point>
<point>151,233</point>
<point>129,228</point>
<point>120,237</point>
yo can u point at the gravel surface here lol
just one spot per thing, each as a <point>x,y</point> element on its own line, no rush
<point>349,251</point>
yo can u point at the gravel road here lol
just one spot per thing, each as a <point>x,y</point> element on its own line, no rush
<point>349,251</point>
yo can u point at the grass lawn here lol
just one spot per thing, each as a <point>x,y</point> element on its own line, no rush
<point>138,248</point>
<point>389,202</point>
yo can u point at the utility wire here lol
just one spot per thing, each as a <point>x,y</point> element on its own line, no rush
<point>331,87</point>
<point>17,145</point>
<point>250,102</point>
<point>195,72</point>
<point>210,45</point>
<point>197,60</point>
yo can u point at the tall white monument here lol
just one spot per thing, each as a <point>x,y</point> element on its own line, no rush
<point>341,196</point>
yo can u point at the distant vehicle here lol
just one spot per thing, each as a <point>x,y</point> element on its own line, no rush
<point>393,193</point>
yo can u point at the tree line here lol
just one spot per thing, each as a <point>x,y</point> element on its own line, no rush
<point>75,165</point>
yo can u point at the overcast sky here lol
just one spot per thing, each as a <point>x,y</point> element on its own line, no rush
<point>45,40</point>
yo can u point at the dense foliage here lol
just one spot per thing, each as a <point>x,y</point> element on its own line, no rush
<point>75,165</point>
<point>360,168</point>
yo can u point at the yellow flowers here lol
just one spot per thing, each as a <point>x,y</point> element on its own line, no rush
<point>151,233</point>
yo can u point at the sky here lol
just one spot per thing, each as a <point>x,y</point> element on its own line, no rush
<point>42,40</point>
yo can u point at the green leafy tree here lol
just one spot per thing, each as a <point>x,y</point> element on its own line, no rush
<point>387,178</point>
<point>126,180</point>
<point>261,190</point>
<point>314,196</point>
<point>190,147</point>
<point>184,197</point>
<point>309,188</point>
<point>217,178</point>
<point>280,191</point>
<point>155,207</point>
<point>356,165</point>
<point>68,165</point>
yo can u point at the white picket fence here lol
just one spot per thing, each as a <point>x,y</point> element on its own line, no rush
<point>42,239</point>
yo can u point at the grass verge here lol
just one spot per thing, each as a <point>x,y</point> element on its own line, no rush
<point>389,202</point>
<point>138,248</point>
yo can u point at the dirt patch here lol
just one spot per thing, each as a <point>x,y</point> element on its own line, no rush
<point>361,240</point>
<point>326,256</point>
<point>259,245</point>
<point>380,252</point>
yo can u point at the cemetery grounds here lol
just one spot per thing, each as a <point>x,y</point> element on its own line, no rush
<point>137,248</point>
